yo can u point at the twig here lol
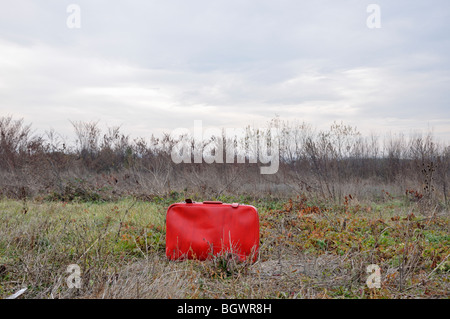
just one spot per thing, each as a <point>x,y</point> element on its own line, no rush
<point>138,247</point>
<point>437,266</point>
<point>123,217</point>
<point>89,248</point>
<point>428,276</point>
<point>17,294</point>
<point>92,245</point>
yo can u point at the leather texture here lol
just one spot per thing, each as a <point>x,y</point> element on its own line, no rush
<point>202,230</point>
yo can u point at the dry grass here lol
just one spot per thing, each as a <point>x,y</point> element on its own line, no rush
<point>308,250</point>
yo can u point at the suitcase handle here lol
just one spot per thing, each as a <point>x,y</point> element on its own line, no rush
<point>190,201</point>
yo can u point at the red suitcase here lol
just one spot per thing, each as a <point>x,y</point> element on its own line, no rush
<point>202,230</point>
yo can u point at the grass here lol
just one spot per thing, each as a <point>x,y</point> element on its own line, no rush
<point>308,249</point>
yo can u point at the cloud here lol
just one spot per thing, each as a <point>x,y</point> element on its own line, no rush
<point>153,66</point>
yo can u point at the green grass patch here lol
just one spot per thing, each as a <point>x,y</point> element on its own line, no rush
<point>107,238</point>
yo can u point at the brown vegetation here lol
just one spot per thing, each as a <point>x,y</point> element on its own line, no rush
<point>338,203</point>
<point>326,164</point>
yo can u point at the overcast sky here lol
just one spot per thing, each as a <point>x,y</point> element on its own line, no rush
<point>153,66</point>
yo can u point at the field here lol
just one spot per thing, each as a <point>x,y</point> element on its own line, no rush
<point>339,203</point>
<point>308,249</point>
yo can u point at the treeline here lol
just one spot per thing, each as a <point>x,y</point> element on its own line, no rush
<point>329,164</point>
